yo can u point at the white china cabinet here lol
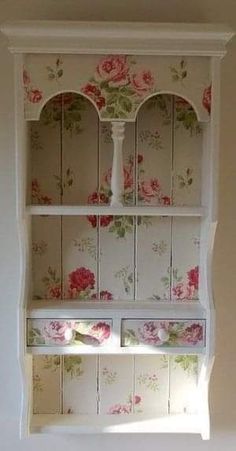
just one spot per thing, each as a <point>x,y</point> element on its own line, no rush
<point>117,136</point>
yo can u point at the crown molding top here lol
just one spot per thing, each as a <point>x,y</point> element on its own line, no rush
<point>117,37</point>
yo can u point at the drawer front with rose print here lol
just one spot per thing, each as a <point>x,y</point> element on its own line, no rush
<point>171,333</point>
<point>63,332</point>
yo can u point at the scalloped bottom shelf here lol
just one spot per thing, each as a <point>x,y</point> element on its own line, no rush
<point>93,424</point>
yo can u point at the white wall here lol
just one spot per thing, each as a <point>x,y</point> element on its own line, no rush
<point>223,393</point>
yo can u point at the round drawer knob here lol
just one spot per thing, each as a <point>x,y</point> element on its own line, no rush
<point>163,335</point>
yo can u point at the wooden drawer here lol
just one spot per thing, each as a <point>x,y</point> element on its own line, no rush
<point>172,333</point>
<point>63,332</point>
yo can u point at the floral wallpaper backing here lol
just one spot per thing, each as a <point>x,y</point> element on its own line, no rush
<point>73,257</point>
<point>156,258</point>
<point>115,385</point>
<point>116,84</point>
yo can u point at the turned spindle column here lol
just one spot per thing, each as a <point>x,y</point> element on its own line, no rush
<point>117,177</point>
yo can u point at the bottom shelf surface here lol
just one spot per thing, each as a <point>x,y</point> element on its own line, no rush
<point>133,423</point>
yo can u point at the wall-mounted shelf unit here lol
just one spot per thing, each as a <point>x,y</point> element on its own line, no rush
<point>117,135</point>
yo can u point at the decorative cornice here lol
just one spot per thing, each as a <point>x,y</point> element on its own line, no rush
<point>117,37</point>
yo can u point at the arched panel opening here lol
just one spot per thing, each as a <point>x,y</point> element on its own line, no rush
<point>169,152</point>
<point>64,148</point>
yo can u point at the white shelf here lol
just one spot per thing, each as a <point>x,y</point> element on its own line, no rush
<point>93,424</point>
<point>74,210</point>
<point>120,309</point>
<point>113,350</point>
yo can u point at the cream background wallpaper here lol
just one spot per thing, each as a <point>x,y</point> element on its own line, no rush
<point>222,390</point>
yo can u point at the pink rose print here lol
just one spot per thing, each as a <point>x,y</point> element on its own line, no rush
<point>181,103</point>
<point>99,198</point>
<point>187,290</point>
<point>137,399</point>
<point>34,95</point>
<point>116,88</point>
<point>104,296</point>
<point>193,276</point>
<point>113,69</point>
<point>26,77</point>
<point>101,331</point>
<point>128,176</point>
<point>149,332</point>
<point>193,334</point>
<point>142,82</point>
<point>54,292</point>
<point>206,100</point>
<point>149,189</point>
<point>94,93</point>
<point>37,194</point>
<point>81,279</point>
<point>59,331</point>
<point>67,98</point>
<point>140,158</point>
<point>119,409</point>
<point>166,200</point>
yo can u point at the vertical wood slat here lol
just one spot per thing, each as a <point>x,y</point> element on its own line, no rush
<point>104,385</point>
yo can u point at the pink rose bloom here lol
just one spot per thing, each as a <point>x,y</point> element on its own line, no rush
<point>35,186</point>
<point>94,93</point>
<point>206,99</point>
<point>128,177</point>
<point>113,69</point>
<point>119,409</point>
<point>142,82</point>
<point>58,331</point>
<point>105,220</point>
<point>193,276</point>
<point>182,292</point>
<point>193,334</point>
<point>81,279</point>
<point>34,95</point>
<point>137,399</point>
<point>182,103</point>
<point>179,291</point>
<point>98,198</point>
<point>149,332</point>
<point>166,200</point>
<point>67,98</point>
<point>140,158</point>
<point>26,77</point>
<point>149,189</point>
<point>46,200</point>
<point>101,331</point>
<point>54,292</point>
<point>104,295</point>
